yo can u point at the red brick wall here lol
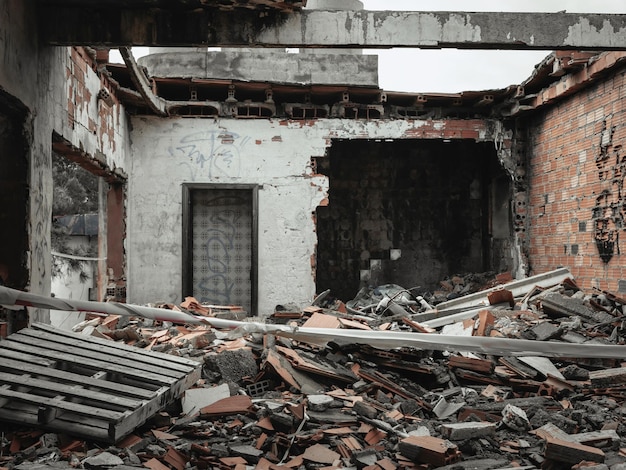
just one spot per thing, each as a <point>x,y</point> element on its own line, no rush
<point>576,176</point>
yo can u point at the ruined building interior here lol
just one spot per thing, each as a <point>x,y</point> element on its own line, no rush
<point>252,164</point>
<point>334,183</point>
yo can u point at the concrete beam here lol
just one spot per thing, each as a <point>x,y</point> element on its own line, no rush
<point>155,103</point>
<point>274,66</point>
<point>102,26</point>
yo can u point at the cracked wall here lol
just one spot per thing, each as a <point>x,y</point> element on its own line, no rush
<point>276,155</point>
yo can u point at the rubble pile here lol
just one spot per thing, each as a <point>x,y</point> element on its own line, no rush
<point>503,380</point>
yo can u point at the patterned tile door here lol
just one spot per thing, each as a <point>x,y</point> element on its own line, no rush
<point>222,238</point>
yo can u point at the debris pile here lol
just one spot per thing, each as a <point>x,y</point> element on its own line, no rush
<point>525,374</point>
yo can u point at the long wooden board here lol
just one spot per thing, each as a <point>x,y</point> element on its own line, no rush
<point>89,387</point>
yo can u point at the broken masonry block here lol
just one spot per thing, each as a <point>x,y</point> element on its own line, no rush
<point>515,418</point>
<point>428,449</point>
<point>574,372</point>
<point>559,305</point>
<point>363,409</point>
<point>366,458</point>
<point>501,296</point>
<point>194,399</point>
<point>248,452</point>
<point>282,422</point>
<point>233,366</point>
<point>319,402</point>
<point>608,377</point>
<point>571,452</point>
<point>467,430</point>
<point>544,331</point>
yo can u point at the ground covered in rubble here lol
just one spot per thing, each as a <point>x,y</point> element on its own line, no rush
<point>516,377</point>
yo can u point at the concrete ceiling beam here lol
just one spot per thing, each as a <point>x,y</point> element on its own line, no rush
<point>66,24</point>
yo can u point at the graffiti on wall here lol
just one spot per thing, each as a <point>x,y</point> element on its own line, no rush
<point>212,154</point>
<point>42,208</point>
<point>609,211</point>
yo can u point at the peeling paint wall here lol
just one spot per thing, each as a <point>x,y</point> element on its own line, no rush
<point>576,181</point>
<point>277,154</point>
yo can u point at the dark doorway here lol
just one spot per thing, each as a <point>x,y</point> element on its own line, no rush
<point>14,193</point>
<point>409,212</point>
<point>14,204</point>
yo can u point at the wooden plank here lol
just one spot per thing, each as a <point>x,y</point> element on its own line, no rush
<point>63,405</point>
<point>93,364</point>
<point>89,348</point>
<point>55,374</point>
<point>90,356</point>
<point>141,415</point>
<point>76,391</point>
<point>115,345</point>
<point>26,358</point>
<point>485,366</point>
<point>86,427</point>
<point>133,354</point>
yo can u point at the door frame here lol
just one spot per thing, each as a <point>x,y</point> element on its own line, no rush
<point>187,237</point>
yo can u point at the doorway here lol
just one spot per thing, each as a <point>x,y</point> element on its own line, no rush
<point>220,244</point>
<point>14,206</point>
<point>410,212</point>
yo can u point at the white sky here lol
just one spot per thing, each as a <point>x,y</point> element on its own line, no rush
<point>452,70</point>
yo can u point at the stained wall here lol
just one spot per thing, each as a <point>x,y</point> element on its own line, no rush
<point>47,93</point>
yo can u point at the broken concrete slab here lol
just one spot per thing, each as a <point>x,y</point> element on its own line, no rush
<point>194,399</point>
<point>467,430</point>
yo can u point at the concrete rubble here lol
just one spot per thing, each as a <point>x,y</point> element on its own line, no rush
<point>523,377</point>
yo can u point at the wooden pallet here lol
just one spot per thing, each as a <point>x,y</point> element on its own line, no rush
<point>62,381</point>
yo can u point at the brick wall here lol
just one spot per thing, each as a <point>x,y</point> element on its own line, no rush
<point>576,175</point>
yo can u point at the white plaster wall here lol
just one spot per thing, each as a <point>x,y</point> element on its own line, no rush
<point>168,153</point>
<point>273,153</point>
